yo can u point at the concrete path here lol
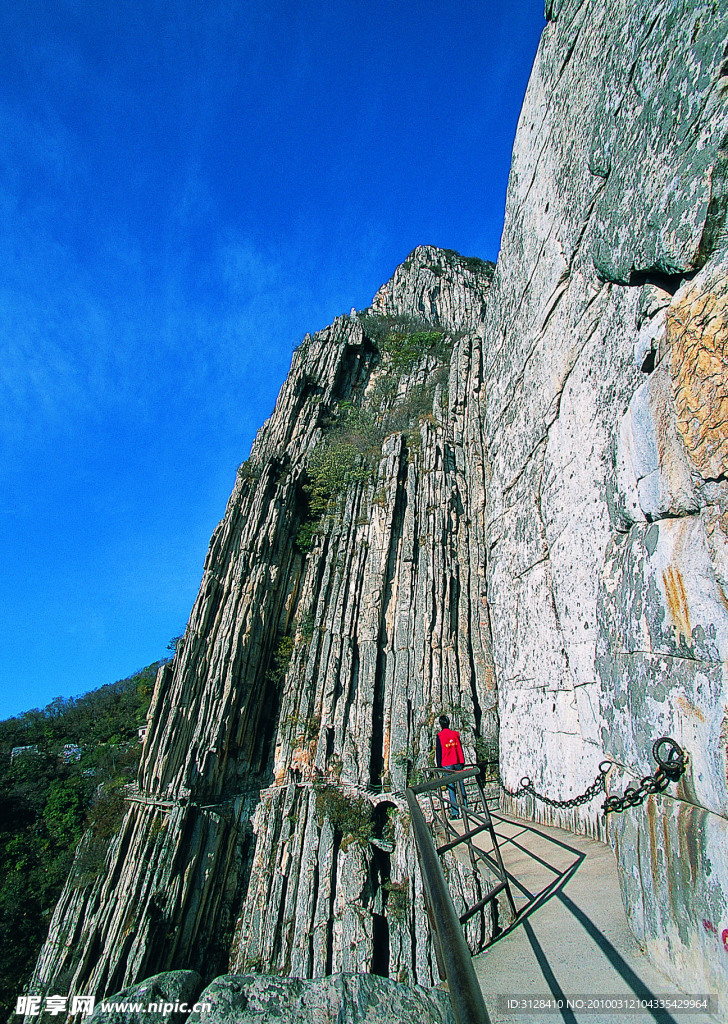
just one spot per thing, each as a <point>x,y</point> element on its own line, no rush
<point>573,941</point>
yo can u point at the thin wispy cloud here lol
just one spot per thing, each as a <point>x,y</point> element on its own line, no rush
<point>185,191</point>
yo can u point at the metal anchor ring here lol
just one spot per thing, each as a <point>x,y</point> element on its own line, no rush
<point>674,760</point>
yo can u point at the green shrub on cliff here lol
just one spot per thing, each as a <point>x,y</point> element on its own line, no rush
<point>404,340</point>
<point>353,436</point>
<point>49,798</point>
<point>331,466</point>
<point>350,816</point>
<point>281,660</point>
<point>398,899</point>
<point>405,349</point>
<point>351,444</point>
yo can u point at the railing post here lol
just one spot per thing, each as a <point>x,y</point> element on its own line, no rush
<point>465,995</point>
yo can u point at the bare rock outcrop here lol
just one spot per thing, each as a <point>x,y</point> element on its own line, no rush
<point>345,998</point>
<point>340,612</point>
<point>263,999</point>
<point>168,997</point>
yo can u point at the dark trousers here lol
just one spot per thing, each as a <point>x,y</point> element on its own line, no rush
<point>451,789</point>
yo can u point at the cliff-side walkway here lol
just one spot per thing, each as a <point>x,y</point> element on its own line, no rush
<point>573,941</point>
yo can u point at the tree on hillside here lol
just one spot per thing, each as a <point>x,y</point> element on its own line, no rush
<point>47,802</point>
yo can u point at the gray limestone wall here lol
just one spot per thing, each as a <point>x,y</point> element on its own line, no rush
<point>607,449</point>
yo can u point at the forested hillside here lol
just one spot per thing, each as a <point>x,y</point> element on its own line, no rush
<point>49,796</point>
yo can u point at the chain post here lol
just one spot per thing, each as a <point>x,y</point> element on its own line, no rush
<point>672,762</point>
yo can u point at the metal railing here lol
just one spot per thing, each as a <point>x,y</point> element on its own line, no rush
<point>454,959</point>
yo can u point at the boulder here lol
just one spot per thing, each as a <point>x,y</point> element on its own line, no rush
<point>338,999</point>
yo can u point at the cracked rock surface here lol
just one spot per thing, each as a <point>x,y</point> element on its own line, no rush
<point>344,998</point>
<point>342,609</point>
<point>606,444</point>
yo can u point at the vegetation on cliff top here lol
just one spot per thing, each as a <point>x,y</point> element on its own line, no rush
<point>404,340</point>
<point>48,798</point>
<point>354,435</point>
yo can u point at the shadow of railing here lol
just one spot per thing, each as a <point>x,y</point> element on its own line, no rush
<point>457,823</point>
<point>535,900</point>
<point>555,890</point>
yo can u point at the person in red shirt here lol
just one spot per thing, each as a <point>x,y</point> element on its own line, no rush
<point>449,754</point>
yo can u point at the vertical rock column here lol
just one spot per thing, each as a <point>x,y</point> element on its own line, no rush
<point>308,681</point>
<point>176,872</point>
<point>395,634</point>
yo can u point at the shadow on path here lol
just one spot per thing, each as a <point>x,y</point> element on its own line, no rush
<point>567,945</point>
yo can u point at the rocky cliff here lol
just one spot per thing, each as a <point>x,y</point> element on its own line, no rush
<point>607,448</point>
<point>342,608</point>
<point>504,496</point>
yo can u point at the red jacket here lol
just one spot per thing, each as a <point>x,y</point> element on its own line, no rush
<point>449,751</point>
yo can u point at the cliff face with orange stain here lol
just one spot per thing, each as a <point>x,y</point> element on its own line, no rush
<point>663,648</point>
<point>697,348</point>
<point>607,445</point>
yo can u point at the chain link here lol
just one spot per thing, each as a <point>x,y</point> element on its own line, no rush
<point>672,762</point>
<point>597,786</point>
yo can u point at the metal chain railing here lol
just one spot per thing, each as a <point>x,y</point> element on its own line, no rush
<point>672,762</point>
<point>598,786</point>
<point>452,952</point>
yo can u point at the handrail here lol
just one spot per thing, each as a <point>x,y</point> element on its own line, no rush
<point>439,781</point>
<point>452,950</point>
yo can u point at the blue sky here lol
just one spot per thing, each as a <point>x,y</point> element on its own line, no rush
<point>186,189</point>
